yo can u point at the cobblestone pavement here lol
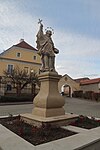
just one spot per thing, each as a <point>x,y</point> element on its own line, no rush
<point>72,105</point>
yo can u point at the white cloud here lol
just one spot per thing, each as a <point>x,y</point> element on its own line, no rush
<point>78,53</point>
<point>75,44</point>
<point>13,24</point>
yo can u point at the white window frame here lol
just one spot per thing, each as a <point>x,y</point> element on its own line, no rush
<point>34,57</point>
<point>27,69</point>
<point>17,55</point>
<point>9,70</point>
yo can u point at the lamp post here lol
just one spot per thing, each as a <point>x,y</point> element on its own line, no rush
<point>32,83</point>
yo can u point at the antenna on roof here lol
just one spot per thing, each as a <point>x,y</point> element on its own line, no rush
<point>22,39</point>
<point>23,35</point>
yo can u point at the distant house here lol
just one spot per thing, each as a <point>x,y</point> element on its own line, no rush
<point>22,55</point>
<point>90,85</point>
<point>67,86</point>
<point>81,79</point>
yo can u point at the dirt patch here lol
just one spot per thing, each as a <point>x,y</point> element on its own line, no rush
<point>45,133</point>
<point>86,122</point>
<point>33,134</point>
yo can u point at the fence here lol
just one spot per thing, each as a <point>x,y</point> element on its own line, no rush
<point>87,95</point>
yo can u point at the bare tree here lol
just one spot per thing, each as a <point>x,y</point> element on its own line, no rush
<point>20,78</point>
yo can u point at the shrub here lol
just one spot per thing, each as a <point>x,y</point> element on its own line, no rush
<point>16,98</point>
<point>88,94</point>
<point>78,94</point>
<point>96,96</point>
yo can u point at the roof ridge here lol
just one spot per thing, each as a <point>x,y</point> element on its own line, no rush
<point>24,44</point>
<point>91,81</point>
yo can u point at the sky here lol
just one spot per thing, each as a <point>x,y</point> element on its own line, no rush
<point>76,25</point>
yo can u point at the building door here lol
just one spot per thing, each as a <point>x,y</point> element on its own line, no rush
<point>66,90</point>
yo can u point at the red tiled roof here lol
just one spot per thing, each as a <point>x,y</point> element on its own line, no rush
<point>91,81</point>
<point>23,44</point>
<point>81,79</point>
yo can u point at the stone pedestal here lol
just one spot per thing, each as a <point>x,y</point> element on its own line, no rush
<point>55,121</point>
<point>48,102</point>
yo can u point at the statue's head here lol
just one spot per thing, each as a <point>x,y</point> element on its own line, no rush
<point>48,33</point>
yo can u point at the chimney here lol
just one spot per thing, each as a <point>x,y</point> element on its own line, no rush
<point>21,40</point>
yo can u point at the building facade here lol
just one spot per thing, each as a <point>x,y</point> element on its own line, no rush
<point>90,85</point>
<point>22,55</point>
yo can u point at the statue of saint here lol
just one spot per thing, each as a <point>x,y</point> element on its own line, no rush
<point>46,49</point>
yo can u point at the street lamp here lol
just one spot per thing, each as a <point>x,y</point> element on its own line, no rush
<point>32,83</point>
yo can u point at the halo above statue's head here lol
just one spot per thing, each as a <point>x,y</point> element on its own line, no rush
<point>49,30</point>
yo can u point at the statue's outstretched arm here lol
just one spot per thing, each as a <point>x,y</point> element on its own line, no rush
<point>40,35</point>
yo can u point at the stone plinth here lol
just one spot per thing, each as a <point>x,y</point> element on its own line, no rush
<point>56,121</point>
<point>48,102</point>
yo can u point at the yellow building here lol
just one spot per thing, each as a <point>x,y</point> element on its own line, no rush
<point>22,55</point>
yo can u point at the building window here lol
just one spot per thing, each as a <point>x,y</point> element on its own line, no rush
<point>26,69</point>
<point>18,54</point>
<point>10,68</point>
<point>34,57</point>
<point>9,87</point>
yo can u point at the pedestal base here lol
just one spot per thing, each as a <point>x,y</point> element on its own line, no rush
<point>48,112</point>
<point>48,102</point>
<point>53,121</point>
